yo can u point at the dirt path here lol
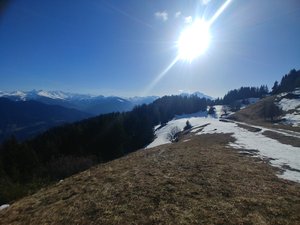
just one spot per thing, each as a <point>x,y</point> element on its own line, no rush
<point>283,136</point>
<point>281,131</point>
<point>195,181</point>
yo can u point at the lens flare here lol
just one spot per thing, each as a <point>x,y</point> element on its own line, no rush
<point>194,40</point>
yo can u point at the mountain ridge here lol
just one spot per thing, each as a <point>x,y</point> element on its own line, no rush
<point>57,94</point>
<point>27,118</point>
<point>92,104</point>
<point>198,94</point>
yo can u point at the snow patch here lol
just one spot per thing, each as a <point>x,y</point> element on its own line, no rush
<point>289,104</point>
<point>297,91</point>
<point>52,94</point>
<point>219,109</point>
<point>280,155</point>
<point>4,206</point>
<point>292,118</point>
<point>161,135</point>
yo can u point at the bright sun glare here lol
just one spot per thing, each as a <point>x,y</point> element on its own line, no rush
<point>194,40</point>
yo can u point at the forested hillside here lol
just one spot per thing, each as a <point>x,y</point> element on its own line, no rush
<point>63,151</point>
<point>26,119</point>
<point>242,93</point>
<point>234,97</point>
<point>288,82</point>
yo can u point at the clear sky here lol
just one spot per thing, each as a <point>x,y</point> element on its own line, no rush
<point>120,47</point>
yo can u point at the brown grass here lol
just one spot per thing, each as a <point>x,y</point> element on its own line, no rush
<point>249,128</point>
<point>200,181</point>
<point>253,114</point>
<point>282,138</point>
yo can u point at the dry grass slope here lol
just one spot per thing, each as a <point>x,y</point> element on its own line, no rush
<point>195,182</point>
<point>254,114</point>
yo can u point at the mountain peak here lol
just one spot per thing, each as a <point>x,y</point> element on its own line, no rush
<point>197,93</point>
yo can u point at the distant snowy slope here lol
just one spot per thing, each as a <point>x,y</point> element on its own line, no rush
<point>290,104</point>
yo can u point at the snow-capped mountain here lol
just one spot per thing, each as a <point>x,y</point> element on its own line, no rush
<point>92,104</point>
<point>14,95</point>
<point>142,100</point>
<point>198,94</point>
<point>34,94</point>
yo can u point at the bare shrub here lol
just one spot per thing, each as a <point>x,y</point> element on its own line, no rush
<point>173,134</point>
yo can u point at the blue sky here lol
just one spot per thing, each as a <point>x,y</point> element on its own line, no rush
<point>120,47</point>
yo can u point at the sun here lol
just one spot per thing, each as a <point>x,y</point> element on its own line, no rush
<point>194,40</point>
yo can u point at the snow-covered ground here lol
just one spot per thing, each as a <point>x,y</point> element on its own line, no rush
<point>4,206</point>
<point>292,118</point>
<point>178,121</point>
<point>281,155</point>
<point>289,104</point>
<point>291,107</point>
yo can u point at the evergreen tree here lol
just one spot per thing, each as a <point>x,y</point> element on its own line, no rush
<point>275,87</point>
<point>187,125</point>
<point>211,110</point>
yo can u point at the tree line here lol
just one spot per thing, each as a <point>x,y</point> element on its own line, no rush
<point>288,82</point>
<point>235,98</point>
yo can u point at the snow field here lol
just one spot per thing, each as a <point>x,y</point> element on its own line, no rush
<point>281,155</point>
<point>287,104</point>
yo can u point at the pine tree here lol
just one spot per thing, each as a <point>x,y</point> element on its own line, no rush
<point>187,125</point>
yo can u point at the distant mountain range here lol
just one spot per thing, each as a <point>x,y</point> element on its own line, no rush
<point>27,113</point>
<point>91,104</point>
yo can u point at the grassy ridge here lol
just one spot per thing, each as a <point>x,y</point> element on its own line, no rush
<point>199,181</point>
